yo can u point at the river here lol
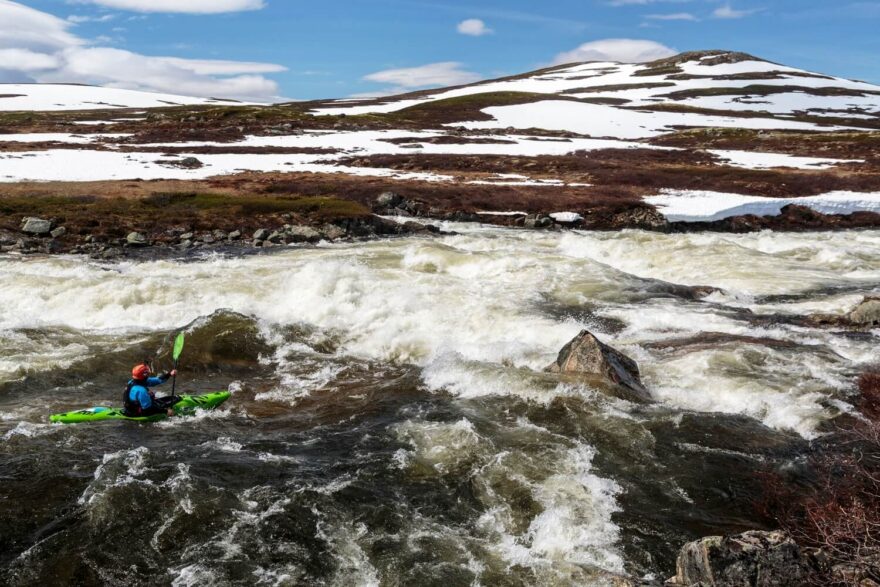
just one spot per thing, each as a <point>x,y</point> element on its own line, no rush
<point>390,422</point>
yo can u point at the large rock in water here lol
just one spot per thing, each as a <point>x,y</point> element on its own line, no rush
<point>866,313</point>
<point>751,559</point>
<point>586,354</point>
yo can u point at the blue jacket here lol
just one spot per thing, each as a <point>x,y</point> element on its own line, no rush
<point>140,393</point>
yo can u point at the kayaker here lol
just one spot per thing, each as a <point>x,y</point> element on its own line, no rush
<point>139,401</point>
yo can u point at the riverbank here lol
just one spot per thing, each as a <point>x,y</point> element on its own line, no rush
<point>255,211</point>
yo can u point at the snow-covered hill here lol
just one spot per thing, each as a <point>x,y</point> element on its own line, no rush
<point>699,137</point>
<point>710,89</point>
<point>48,97</point>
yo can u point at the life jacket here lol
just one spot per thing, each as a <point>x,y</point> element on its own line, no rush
<point>130,406</point>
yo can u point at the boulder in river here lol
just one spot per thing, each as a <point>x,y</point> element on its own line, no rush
<point>36,226</point>
<point>587,355</point>
<point>751,559</point>
<point>866,313</point>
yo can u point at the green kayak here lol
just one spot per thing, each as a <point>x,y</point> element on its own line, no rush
<point>187,406</point>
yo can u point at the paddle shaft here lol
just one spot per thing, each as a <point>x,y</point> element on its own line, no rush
<point>174,379</point>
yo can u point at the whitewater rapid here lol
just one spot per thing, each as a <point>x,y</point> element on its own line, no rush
<point>462,305</point>
<point>476,316</point>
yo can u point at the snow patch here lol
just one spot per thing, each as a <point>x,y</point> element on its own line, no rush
<point>706,206</point>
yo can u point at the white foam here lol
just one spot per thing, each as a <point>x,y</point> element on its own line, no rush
<point>471,310</point>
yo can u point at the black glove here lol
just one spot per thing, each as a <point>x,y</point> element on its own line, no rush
<point>165,376</point>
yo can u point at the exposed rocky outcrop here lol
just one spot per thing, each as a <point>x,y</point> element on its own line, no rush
<point>865,315</point>
<point>751,559</point>
<point>587,355</point>
<point>393,204</point>
<point>36,226</point>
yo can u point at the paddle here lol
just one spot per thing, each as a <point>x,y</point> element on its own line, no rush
<point>178,349</point>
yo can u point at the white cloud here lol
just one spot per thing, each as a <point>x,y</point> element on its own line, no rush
<point>220,67</point>
<point>675,16</point>
<point>623,50</point>
<point>474,27</point>
<point>26,60</point>
<point>727,12</point>
<point>38,47</point>
<point>182,6</point>
<point>25,28</point>
<point>448,73</point>
<point>76,19</point>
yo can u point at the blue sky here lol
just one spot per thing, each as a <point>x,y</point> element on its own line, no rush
<point>338,48</point>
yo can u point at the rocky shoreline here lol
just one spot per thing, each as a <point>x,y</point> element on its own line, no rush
<point>172,223</point>
<point>44,236</point>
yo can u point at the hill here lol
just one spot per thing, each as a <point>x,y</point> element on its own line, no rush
<point>715,140</point>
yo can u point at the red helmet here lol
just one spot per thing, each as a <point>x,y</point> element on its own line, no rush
<point>140,372</point>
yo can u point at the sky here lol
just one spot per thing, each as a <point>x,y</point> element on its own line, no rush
<point>270,50</point>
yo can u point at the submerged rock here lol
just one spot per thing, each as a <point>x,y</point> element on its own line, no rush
<point>587,355</point>
<point>751,559</point>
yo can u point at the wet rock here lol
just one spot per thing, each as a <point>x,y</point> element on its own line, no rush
<point>751,559</point>
<point>685,292</point>
<point>187,236</point>
<point>261,234</point>
<point>275,238</point>
<point>866,313</point>
<point>234,235</point>
<point>36,226</point>
<point>136,239</point>
<point>538,221</point>
<point>299,234</point>
<point>332,232</point>
<point>187,244</point>
<point>219,235</point>
<point>58,232</point>
<point>587,355</point>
